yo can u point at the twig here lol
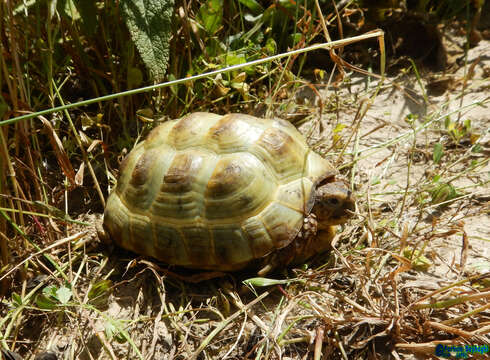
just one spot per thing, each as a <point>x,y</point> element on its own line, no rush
<point>318,342</point>
<point>56,244</point>
<point>225,323</point>
<point>449,329</point>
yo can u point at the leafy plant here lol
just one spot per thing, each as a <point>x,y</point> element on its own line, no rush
<point>113,330</point>
<point>150,25</point>
<point>442,192</point>
<point>438,151</point>
<point>457,130</point>
<point>53,296</point>
<point>210,15</point>
<point>98,294</point>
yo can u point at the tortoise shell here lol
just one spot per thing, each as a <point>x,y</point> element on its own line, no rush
<point>214,192</point>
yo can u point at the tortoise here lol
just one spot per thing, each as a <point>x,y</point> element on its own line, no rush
<point>224,193</point>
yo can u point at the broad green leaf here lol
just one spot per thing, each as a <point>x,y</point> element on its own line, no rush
<point>243,88</point>
<point>110,330</point>
<point>252,5</point>
<point>241,77</point>
<point>260,281</point>
<point>16,299</point>
<point>336,140</point>
<point>419,261</point>
<point>438,151</point>
<point>411,118</point>
<point>52,8</point>
<point>294,39</point>
<point>252,19</point>
<point>475,149</point>
<point>23,7</point>
<point>63,294</point>
<point>214,47</point>
<point>87,10</point>
<point>50,291</point>
<point>99,288</point>
<point>271,46</point>
<point>235,59</point>
<point>211,15</point>
<point>45,302</point>
<point>99,293</point>
<point>135,78</point>
<point>150,25</point>
<point>338,128</point>
<point>233,39</point>
<point>69,9</point>
<point>443,192</point>
<point>114,330</point>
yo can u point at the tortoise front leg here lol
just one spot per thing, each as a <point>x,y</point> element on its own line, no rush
<point>310,241</point>
<point>313,239</point>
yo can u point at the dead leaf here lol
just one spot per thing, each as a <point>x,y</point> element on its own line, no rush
<point>59,151</point>
<point>79,175</point>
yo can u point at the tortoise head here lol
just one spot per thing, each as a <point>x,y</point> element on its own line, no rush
<point>334,202</point>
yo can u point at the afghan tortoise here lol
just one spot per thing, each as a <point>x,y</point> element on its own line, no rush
<point>226,192</point>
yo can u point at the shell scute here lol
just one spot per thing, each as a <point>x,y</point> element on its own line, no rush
<point>295,195</point>
<point>191,130</point>
<point>137,191</point>
<point>214,192</point>
<point>116,220</point>
<point>234,133</point>
<point>239,187</point>
<point>180,175</point>
<point>181,185</point>
<point>169,243</point>
<point>289,128</point>
<point>141,236</point>
<point>230,246</point>
<point>258,238</point>
<point>282,223</point>
<point>228,176</point>
<point>199,246</point>
<point>280,151</point>
<point>158,137</point>
<point>176,208</point>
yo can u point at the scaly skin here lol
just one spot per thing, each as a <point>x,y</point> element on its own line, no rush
<point>334,204</point>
